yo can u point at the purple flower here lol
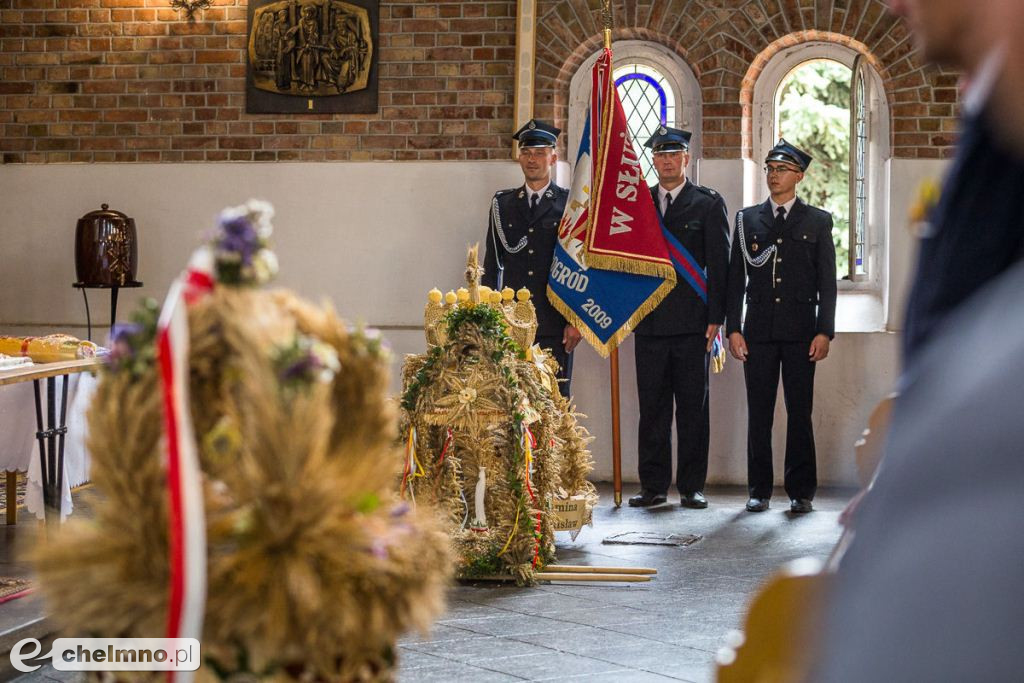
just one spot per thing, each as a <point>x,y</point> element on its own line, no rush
<point>123,332</point>
<point>302,368</point>
<point>122,338</point>
<point>306,360</point>
<point>400,510</point>
<point>379,549</point>
<point>239,236</point>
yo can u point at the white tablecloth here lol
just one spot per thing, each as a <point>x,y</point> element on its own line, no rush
<point>19,448</point>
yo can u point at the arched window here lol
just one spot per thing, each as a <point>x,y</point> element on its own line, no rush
<point>858,170</point>
<point>812,111</point>
<point>825,98</point>
<point>655,86</point>
<point>648,102</point>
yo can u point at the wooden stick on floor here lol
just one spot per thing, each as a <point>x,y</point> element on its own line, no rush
<point>576,576</point>
<point>588,569</point>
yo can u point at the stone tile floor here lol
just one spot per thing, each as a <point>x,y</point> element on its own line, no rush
<point>667,629</point>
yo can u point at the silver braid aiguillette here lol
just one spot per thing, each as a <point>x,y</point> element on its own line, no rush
<point>755,261</point>
<point>496,217</point>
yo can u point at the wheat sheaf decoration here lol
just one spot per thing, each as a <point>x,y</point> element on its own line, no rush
<point>490,442</point>
<point>314,566</point>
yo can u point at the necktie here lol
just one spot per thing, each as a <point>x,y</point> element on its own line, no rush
<point>534,198</point>
<point>668,202</point>
<point>780,219</point>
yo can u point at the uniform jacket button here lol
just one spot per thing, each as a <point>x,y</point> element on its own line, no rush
<point>778,300</point>
<point>529,272</point>
<point>779,241</point>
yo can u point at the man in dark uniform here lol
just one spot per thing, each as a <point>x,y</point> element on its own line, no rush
<point>952,458</point>
<point>521,236</point>
<point>973,234</point>
<point>784,261</point>
<point>673,342</point>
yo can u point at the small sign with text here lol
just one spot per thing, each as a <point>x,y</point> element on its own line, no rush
<point>567,514</point>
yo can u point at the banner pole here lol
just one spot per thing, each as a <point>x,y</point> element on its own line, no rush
<point>616,446</point>
<point>606,16</point>
<point>606,19</point>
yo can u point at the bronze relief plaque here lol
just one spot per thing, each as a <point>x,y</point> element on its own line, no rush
<point>312,56</point>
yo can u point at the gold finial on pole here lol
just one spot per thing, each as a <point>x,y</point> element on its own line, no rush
<point>606,18</point>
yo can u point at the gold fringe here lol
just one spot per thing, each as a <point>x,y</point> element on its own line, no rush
<point>624,264</point>
<point>602,348</point>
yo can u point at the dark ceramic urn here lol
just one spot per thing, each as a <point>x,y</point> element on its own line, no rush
<point>106,249</point>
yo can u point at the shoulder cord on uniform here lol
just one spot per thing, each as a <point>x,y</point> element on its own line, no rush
<point>755,261</point>
<point>496,221</point>
<point>495,217</point>
<point>759,260</point>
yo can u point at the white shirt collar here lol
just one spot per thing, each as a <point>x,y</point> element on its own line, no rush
<point>980,84</point>
<point>540,192</point>
<point>788,206</point>
<point>674,192</point>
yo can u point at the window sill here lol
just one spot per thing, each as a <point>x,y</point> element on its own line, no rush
<point>862,286</point>
<point>859,308</point>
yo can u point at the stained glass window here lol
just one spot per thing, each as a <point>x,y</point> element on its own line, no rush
<point>858,265</point>
<point>648,102</point>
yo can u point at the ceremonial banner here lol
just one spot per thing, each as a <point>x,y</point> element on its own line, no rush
<point>611,265</point>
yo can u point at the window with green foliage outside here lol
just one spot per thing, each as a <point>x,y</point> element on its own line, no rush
<point>812,106</point>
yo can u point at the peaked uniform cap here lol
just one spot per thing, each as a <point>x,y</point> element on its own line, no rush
<point>790,154</point>
<point>667,139</point>
<point>537,134</point>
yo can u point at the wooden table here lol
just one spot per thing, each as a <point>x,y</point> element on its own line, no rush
<point>51,434</point>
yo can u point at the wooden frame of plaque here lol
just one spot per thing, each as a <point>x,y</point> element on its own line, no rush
<point>312,57</point>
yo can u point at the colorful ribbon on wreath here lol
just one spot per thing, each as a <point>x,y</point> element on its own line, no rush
<point>449,438</point>
<point>187,518</point>
<point>413,468</point>
<point>529,443</point>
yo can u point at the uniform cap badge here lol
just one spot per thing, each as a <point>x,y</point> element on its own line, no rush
<point>753,247</point>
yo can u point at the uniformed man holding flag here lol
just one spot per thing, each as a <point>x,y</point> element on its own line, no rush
<point>674,341</point>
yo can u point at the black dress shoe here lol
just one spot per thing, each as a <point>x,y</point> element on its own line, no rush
<point>800,505</point>
<point>646,499</point>
<point>694,500</point>
<point>757,505</point>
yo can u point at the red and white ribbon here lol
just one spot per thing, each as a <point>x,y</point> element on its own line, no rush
<point>187,520</point>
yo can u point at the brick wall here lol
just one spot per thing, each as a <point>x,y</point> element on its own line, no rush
<point>129,80</point>
<point>727,42</point>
